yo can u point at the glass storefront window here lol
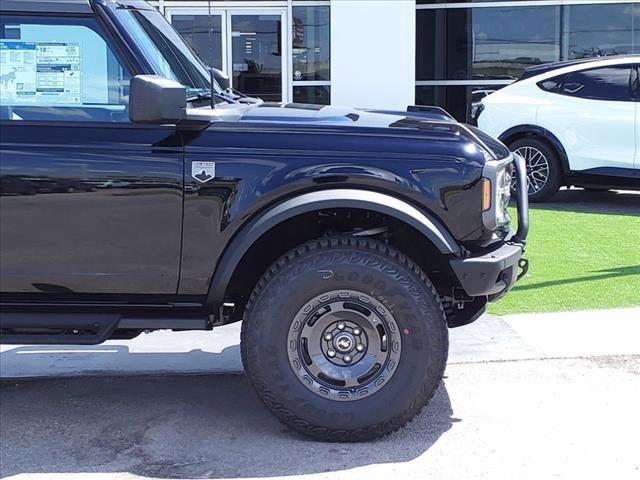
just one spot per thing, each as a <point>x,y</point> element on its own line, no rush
<point>485,43</point>
<point>593,30</point>
<point>427,2</point>
<point>248,46</point>
<point>311,43</point>
<point>498,43</point>
<point>506,40</point>
<point>494,44</point>
<point>203,33</point>
<point>318,95</point>
<point>425,95</point>
<point>461,101</point>
<point>256,55</point>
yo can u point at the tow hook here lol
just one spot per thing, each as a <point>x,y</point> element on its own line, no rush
<point>459,297</point>
<point>227,311</point>
<point>523,263</point>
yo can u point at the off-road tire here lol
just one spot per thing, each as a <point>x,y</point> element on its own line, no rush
<point>341,263</point>
<point>554,181</point>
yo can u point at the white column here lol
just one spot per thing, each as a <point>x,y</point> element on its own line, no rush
<point>373,51</point>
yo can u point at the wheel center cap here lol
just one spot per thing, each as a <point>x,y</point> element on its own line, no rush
<point>344,342</point>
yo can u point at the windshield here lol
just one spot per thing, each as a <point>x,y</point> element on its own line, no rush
<point>164,49</point>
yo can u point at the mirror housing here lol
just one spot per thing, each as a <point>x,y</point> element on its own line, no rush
<point>155,99</point>
<point>221,78</point>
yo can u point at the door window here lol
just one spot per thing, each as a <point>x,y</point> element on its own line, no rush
<point>164,48</point>
<point>60,69</point>
<point>606,83</point>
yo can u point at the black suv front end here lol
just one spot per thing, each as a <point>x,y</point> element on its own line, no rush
<point>495,269</point>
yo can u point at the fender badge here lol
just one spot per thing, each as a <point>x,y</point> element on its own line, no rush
<point>203,171</point>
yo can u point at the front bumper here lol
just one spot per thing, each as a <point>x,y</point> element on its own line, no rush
<point>495,272</point>
<point>491,274</point>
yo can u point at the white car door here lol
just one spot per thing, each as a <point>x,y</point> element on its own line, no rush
<point>593,114</point>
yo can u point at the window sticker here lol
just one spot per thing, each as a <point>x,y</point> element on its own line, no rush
<point>40,73</point>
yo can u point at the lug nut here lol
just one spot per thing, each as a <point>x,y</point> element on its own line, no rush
<point>331,353</point>
<point>328,336</point>
<point>341,326</point>
<point>360,348</point>
<point>356,331</point>
<point>347,358</point>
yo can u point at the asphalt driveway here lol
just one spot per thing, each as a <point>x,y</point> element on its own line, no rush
<point>511,406</point>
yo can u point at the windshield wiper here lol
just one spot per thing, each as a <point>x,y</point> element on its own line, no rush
<point>206,97</point>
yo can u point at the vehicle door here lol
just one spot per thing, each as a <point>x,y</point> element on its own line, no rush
<point>91,203</point>
<point>593,115</point>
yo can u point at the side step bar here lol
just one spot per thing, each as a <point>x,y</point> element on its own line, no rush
<point>82,328</point>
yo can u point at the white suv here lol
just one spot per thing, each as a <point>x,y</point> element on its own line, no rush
<point>575,123</point>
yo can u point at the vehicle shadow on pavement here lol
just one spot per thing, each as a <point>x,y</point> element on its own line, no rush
<point>605,274</point>
<point>172,426</point>
<point>607,202</point>
<point>112,358</point>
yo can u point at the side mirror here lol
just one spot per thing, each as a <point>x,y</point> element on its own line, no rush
<point>154,99</point>
<point>221,78</point>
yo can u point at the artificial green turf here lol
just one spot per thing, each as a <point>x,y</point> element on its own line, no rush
<point>578,261</point>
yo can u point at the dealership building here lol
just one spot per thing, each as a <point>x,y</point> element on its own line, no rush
<point>394,53</point>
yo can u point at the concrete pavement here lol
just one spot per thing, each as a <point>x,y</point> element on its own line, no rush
<point>514,337</point>
<point>544,396</point>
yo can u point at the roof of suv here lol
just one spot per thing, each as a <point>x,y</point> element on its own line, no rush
<point>548,67</point>
<point>46,6</point>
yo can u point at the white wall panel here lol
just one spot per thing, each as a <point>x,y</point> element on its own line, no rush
<point>373,53</point>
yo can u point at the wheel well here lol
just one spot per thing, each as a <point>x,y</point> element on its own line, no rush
<point>538,136</point>
<point>559,151</point>
<point>308,226</point>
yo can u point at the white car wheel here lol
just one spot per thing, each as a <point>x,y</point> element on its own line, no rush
<point>544,174</point>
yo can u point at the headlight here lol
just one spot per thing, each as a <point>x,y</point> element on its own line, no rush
<point>503,194</point>
<point>496,193</point>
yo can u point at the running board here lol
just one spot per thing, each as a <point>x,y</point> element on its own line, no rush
<point>82,328</point>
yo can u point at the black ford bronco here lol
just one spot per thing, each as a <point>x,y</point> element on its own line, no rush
<point>138,194</point>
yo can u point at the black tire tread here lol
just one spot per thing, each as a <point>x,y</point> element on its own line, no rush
<point>261,386</point>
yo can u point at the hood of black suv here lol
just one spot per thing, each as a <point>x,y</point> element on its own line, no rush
<point>408,131</point>
<point>338,115</point>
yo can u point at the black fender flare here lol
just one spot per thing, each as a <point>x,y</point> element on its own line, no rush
<point>422,221</point>
<point>542,132</point>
